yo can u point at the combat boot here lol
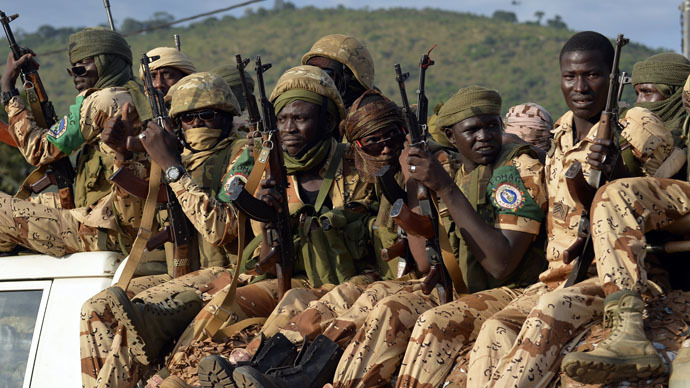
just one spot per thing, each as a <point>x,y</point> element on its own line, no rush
<point>151,326</point>
<point>626,354</point>
<point>174,382</point>
<point>216,372</point>
<point>315,368</point>
<point>680,369</point>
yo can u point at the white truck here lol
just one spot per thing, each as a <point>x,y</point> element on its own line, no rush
<point>40,301</point>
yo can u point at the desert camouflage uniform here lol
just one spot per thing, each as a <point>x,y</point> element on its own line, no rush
<point>523,344</point>
<point>101,210</point>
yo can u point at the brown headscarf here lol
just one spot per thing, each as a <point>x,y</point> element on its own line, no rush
<point>369,114</point>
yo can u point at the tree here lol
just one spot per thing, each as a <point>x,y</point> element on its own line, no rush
<point>505,16</point>
<point>557,22</point>
<point>131,25</point>
<point>539,15</point>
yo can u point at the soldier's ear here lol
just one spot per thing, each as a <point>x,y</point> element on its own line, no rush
<point>449,134</point>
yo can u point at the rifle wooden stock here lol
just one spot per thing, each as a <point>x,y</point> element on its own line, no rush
<point>398,249</point>
<point>181,265</point>
<point>163,236</point>
<point>284,275</point>
<point>411,222</point>
<point>134,185</point>
<point>5,136</point>
<point>578,187</point>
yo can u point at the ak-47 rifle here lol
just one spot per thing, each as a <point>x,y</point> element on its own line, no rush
<point>425,224</point>
<point>60,172</point>
<point>581,190</point>
<point>178,230</point>
<point>255,124</point>
<point>282,249</point>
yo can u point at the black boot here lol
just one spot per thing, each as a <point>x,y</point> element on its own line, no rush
<point>314,370</point>
<point>216,372</point>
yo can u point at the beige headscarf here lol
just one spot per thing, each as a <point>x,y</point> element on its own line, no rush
<point>169,57</point>
<point>531,122</point>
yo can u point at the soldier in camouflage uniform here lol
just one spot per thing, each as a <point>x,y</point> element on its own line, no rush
<point>374,330</point>
<point>171,66</point>
<point>203,105</point>
<point>347,61</point>
<point>530,122</point>
<point>103,76</point>
<point>522,345</point>
<point>623,211</point>
<point>232,76</point>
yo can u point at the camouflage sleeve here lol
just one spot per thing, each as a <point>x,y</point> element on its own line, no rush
<point>517,192</point>
<point>31,139</point>
<point>215,220</point>
<point>651,142</point>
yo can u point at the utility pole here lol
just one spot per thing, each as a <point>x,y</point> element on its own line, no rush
<point>685,27</point>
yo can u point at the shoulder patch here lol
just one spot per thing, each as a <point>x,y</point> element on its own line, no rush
<point>58,129</point>
<point>509,196</point>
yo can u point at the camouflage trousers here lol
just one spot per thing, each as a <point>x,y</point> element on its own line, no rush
<point>106,360</point>
<point>523,344</point>
<point>622,212</point>
<point>440,334</point>
<point>48,229</point>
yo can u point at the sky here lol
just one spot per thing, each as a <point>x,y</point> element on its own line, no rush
<point>655,23</point>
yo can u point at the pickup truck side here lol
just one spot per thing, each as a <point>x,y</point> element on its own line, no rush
<point>40,301</point>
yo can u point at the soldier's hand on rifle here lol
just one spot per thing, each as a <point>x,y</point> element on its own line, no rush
<point>602,155</point>
<point>12,66</point>
<point>250,143</point>
<point>161,146</point>
<point>270,195</point>
<point>116,131</point>
<point>426,169</point>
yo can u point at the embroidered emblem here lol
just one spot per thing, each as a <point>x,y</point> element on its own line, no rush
<point>58,129</point>
<point>560,211</point>
<point>509,196</point>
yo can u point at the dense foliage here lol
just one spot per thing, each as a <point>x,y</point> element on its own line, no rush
<point>519,60</point>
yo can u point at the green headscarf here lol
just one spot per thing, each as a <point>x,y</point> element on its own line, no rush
<point>468,102</point>
<point>113,59</point>
<point>316,153</point>
<point>232,76</point>
<point>668,72</point>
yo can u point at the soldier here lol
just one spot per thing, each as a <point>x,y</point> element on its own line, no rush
<point>167,70</point>
<point>374,129</point>
<point>550,316</point>
<point>623,211</point>
<point>105,218</point>
<point>232,76</point>
<point>347,61</point>
<point>530,122</point>
<point>375,329</point>
<point>203,105</point>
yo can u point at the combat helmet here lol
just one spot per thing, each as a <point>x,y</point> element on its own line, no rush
<point>348,51</point>
<point>202,91</point>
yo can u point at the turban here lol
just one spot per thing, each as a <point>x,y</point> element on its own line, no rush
<point>91,42</point>
<point>169,57</point>
<point>531,122</point>
<point>469,102</point>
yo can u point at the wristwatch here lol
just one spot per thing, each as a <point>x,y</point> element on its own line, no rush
<point>7,96</point>
<point>174,173</point>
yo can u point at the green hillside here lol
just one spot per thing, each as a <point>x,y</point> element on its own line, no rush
<point>519,60</point>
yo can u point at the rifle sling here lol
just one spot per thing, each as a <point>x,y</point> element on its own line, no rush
<point>449,260</point>
<point>330,176</point>
<point>220,313</point>
<point>144,228</point>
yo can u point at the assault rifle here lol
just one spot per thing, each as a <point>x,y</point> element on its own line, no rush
<point>178,230</point>
<point>581,190</point>
<point>255,125</point>
<point>282,248</point>
<point>425,224</point>
<point>59,172</point>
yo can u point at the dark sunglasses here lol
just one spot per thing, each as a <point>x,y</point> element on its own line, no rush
<point>394,141</point>
<point>77,71</point>
<point>205,115</point>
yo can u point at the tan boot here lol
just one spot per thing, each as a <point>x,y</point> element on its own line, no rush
<point>151,326</point>
<point>626,354</point>
<point>680,369</point>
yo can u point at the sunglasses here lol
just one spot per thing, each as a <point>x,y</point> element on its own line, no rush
<point>394,141</point>
<point>205,115</point>
<point>77,71</point>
